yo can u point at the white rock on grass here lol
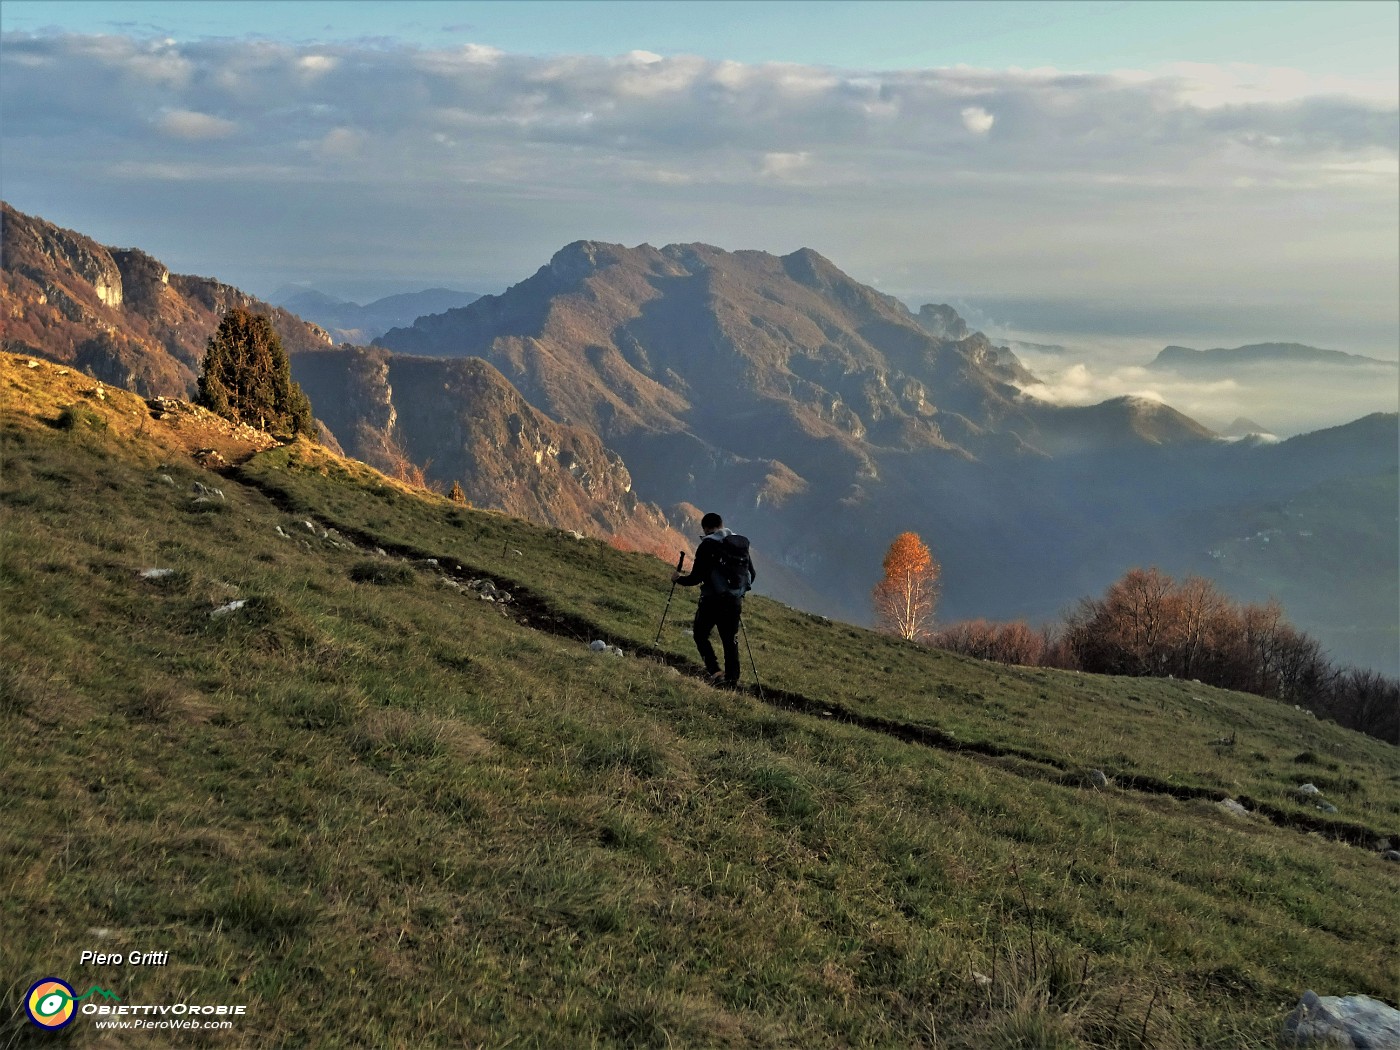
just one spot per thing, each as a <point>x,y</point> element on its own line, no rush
<point>1308,789</point>
<point>1098,778</point>
<point>598,646</point>
<point>231,607</point>
<point>1234,808</point>
<point>156,574</point>
<point>1355,1021</point>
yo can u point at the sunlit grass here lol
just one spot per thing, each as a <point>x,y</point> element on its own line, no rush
<point>383,812</point>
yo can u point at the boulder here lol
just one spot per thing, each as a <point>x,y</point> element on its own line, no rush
<point>1308,789</point>
<point>1234,808</point>
<point>1351,1021</point>
<point>1098,778</point>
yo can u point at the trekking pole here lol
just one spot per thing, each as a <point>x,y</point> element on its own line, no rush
<point>751,663</point>
<point>679,562</point>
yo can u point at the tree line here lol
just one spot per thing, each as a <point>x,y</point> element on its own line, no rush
<point>1147,624</point>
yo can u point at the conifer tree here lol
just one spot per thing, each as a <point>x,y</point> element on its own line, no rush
<point>247,378</point>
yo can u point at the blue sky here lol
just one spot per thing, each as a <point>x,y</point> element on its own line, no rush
<point>1084,35</point>
<point>1202,173</point>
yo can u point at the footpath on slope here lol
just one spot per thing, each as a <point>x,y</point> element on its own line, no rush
<point>533,611</point>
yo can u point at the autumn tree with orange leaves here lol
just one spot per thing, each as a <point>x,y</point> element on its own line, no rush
<point>905,598</point>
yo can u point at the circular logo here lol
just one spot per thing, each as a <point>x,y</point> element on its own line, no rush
<point>49,1003</point>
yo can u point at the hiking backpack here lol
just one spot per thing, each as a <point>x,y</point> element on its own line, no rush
<point>732,574</point>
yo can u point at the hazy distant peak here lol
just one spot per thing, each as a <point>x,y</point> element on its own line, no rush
<point>1243,427</point>
<point>1257,353</point>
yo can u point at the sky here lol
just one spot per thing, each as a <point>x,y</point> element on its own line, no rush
<point>1128,174</point>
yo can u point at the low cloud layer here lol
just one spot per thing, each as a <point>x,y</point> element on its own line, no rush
<point>472,164</point>
<point>1282,400</point>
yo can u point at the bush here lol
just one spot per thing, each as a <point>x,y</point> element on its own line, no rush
<point>76,417</point>
<point>381,572</point>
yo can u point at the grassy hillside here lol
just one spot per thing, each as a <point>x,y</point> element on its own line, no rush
<point>380,811</point>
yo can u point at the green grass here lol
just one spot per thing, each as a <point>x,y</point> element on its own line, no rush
<point>380,811</point>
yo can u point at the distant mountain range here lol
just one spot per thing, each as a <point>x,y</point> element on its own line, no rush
<point>617,391</point>
<point>350,322</point>
<point>1185,359</point>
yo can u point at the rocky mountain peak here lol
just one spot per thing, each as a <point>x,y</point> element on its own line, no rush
<point>942,322</point>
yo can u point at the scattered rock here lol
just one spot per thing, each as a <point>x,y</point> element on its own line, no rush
<point>381,552</point>
<point>282,534</point>
<point>981,979</point>
<point>598,645</point>
<point>1308,789</point>
<point>33,363</point>
<point>156,574</point>
<point>576,534</point>
<point>309,527</point>
<point>1392,855</point>
<point>1233,808</point>
<point>231,607</point>
<point>167,479</point>
<point>1098,778</point>
<point>1327,807</point>
<point>210,457</point>
<point>209,492</point>
<point>1355,1021</point>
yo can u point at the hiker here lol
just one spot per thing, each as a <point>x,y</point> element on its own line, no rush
<point>725,573</point>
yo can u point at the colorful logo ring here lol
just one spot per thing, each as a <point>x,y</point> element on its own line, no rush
<point>50,1003</point>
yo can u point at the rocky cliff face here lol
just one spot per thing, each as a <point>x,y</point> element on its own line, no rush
<point>464,422</point>
<point>116,313</point>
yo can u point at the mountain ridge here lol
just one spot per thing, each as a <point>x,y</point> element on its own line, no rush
<point>118,313</point>
<point>1184,357</point>
<point>352,322</point>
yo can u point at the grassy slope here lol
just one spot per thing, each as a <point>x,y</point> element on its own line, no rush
<point>384,813</point>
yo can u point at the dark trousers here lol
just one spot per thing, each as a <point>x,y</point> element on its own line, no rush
<point>722,612</point>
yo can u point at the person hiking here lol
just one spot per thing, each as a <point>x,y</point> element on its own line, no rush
<point>725,573</point>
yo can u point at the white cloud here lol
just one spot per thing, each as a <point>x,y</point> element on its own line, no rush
<point>784,165</point>
<point>1198,178</point>
<point>188,124</point>
<point>317,65</point>
<point>977,120</point>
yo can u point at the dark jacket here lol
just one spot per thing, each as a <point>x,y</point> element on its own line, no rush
<point>702,571</point>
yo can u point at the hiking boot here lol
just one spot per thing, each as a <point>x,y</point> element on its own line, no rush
<point>715,678</point>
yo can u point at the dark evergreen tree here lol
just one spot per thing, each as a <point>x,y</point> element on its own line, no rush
<point>248,379</point>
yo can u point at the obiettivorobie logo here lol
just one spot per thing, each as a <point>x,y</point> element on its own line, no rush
<point>52,1004</point>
